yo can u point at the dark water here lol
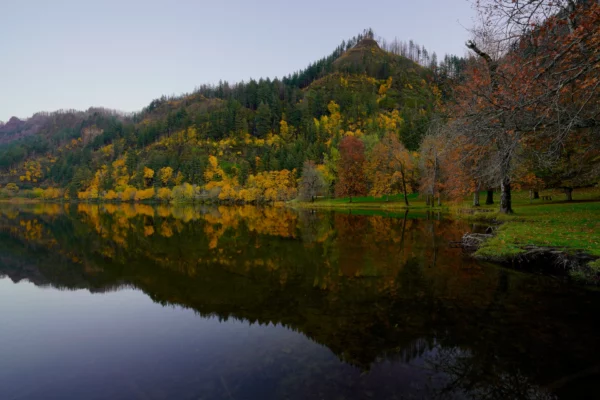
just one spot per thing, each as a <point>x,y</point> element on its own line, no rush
<point>136,302</point>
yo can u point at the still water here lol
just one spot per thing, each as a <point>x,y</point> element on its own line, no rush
<point>141,302</point>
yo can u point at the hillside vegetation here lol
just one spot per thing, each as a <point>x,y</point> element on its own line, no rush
<point>242,142</point>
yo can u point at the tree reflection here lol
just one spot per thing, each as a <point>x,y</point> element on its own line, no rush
<point>369,287</point>
<point>466,375</point>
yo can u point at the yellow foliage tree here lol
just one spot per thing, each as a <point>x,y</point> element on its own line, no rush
<point>385,86</point>
<point>120,174</point>
<point>271,186</point>
<point>51,194</point>
<point>213,172</point>
<point>148,176</point>
<point>128,194</point>
<point>229,190</point>
<point>390,122</point>
<point>164,194</point>
<point>284,129</point>
<point>179,178</point>
<point>33,172</point>
<point>111,195</point>
<point>165,174</point>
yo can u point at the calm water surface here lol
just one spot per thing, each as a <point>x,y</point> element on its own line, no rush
<point>141,302</point>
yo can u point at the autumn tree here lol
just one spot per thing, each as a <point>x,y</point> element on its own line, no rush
<point>148,176</point>
<point>536,83</point>
<point>432,153</point>
<point>389,167</point>
<point>453,164</point>
<point>213,170</point>
<point>351,176</point>
<point>312,182</point>
<point>165,174</point>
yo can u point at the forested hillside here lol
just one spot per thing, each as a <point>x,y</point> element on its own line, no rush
<point>372,118</point>
<point>254,134</point>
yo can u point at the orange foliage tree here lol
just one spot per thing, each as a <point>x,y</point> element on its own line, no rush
<point>536,83</point>
<point>351,176</point>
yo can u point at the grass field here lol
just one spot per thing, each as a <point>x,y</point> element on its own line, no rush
<point>553,223</point>
<point>570,227</point>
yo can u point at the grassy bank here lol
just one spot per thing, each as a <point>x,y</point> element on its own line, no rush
<point>571,226</point>
<point>568,227</point>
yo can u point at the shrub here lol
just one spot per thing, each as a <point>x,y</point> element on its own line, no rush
<point>51,194</point>
<point>111,195</point>
<point>146,194</point>
<point>183,193</point>
<point>164,194</point>
<point>128,194</point>
<point>12,188</point>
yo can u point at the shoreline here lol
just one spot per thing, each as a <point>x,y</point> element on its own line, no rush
<point>526,241</point>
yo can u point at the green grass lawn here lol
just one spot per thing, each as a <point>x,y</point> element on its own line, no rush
<point>565,225</point>
<point>554,223</point>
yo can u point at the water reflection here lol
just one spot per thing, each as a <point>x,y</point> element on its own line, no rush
<point>403,313</point>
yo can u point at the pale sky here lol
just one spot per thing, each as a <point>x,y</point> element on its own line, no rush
<point>121,54</point>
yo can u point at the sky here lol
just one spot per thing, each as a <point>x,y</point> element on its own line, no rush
<point>74,54</point>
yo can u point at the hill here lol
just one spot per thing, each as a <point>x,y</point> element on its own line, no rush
<point>251,128</point>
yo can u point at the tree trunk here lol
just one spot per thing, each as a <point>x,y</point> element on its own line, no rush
<point>439,200</point>
<point>569,193</point>
<point>427,198</point>
<point>476,198</point>
<point>505,196</point>
<point>350,199</point>
<point>490,197</point>
<point>404,189</point>
<point>536,194</point>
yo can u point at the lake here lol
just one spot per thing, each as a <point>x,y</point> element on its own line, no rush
<point>142,302</point>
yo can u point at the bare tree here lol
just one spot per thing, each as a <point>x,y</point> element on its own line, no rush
<point>311,183</point>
